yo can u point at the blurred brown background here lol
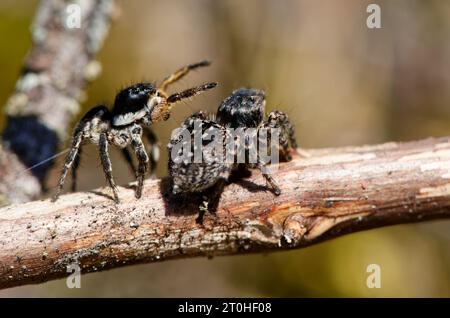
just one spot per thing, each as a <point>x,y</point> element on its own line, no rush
<point>340,82</point>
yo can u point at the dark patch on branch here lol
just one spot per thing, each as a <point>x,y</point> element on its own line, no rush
<point>32,145</point>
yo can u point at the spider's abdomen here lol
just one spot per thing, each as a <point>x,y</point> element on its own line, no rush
<point>130,103</point>
<point>243,108</point>
<point>196,177</point>
<point>100,112</point>
<point>94,122</point>
<point>187,174</point>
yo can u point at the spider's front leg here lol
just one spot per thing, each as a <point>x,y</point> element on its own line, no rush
<point>190,92</point>
<point>177,75</point>
<point>141,154</point>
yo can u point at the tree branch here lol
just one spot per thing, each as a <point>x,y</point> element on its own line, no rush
<point>55,73</point>
<point>326,194</point>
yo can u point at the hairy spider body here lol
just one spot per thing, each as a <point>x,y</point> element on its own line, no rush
<point>135,108</point>
<point>243,109</point>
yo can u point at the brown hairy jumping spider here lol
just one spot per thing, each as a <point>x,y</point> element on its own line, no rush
<point>244,109</point>
<point>135,107</point>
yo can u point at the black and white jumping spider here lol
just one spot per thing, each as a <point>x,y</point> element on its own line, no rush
<point>244,108</point>
<point>135,107</point>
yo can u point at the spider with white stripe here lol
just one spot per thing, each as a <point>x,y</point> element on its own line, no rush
<point>135,108</point>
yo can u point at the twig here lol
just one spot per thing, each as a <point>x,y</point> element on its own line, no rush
<point>327,194</point>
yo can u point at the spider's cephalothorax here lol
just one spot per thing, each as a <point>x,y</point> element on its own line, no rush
<point>243,109</point>
<point>135,108</point>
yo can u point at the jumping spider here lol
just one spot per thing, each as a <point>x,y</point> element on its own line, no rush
<point>135,107</point>
<point>244,108</point>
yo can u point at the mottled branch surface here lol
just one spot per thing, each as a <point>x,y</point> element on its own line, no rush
<point>325,193</point>
<point>54,75</point>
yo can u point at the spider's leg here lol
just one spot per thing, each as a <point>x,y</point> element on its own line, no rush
<point>275,188</point>
<point>127,156</point>
<point>153,151</point>
<point>76,164</point>
<point>174,98</point>
<point>216,194</point>
<point>106,163</point>
<point>162,112</point>
<point>70,158</point>
<point>280,120</point>
<point>142,156</point>
<point>177,75</point>
<point>211,199</point>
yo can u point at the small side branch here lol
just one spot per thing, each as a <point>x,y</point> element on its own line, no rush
<point>325,193</point>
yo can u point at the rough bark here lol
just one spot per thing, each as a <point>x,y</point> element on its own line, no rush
<point>55,73</point>
<point>325,193</point>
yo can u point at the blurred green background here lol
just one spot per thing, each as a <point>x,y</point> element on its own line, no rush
<point>340,82</point>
